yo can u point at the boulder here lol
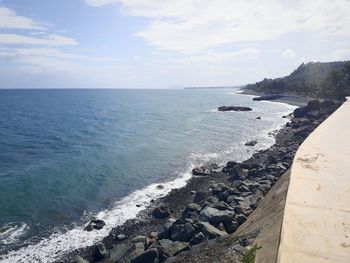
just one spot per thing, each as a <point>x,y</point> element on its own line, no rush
<point>210,231</point>
<point>170,248</point>
<point>95,224</point>
<point>234,108</point>
<point>161,212</point>
<point>182,233</point>
<point>148,256</point>
<point>197,239</point>
<point>251,143</point>
<point>200,196</point>
<point>120,237</point>
<point>231,226</point>
<point>81,260</point>
<point>204,170</point>
<point>100,251</point>
<point>241,218</point>
<point>139,239</point>
<point>313,105</point>
<point>216,216</point>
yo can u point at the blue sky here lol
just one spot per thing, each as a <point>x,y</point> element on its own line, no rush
<point>165,43</point>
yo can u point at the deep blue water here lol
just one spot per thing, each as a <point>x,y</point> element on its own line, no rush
<point>67,155</point>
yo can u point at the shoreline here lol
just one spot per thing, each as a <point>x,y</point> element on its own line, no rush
<point>56,241</point>
<point>291,99</point>
<point>177,199</point>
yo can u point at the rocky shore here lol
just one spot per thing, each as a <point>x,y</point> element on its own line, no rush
<point>207,212</point>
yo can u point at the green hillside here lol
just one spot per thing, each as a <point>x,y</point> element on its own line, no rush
<point>321,80</point>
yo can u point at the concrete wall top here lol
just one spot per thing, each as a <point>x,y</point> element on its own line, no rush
<point>316,222</point>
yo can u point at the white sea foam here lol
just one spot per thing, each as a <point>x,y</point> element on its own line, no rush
<point>11,232</point>
<point>62,242</point>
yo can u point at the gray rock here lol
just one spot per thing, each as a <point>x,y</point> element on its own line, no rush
<point>81,260</point>
<point>100,251</point>
<point>210,231</point>
<point>170,248</point>
<point>197,239</point>
<point>148,256</point>
<point>223,206</point>
<point>119,252</point>
<point>139,239</point>
<point>212,200</point>
<point>200,196</point>
<point>216,216</point>
<point>241,218</point>
<point>182,232</point>
<point>120,237</point>
<point>124,254</point>
<point>231,226</point>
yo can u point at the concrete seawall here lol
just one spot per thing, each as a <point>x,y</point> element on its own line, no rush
<point>316,221</point>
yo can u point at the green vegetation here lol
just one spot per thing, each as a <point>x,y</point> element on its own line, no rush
<point>249,255</point>
<point>321,80</point>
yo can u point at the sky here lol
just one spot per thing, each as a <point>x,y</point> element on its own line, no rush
<point>165,43</point>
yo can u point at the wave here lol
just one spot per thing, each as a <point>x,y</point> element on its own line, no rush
<point>63,241</point>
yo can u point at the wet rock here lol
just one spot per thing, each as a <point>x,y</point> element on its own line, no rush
<point>197,239</point>
<point>204,170</point>
<point>234,108</point>
<point>148,256</point>
<point>161,212</point>
<point>95,224</point>
<point>251,143</point>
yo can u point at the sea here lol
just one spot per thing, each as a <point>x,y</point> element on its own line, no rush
<point>68,156</point>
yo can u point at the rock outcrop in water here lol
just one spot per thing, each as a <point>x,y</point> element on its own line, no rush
<point>269,97</point>
<point>234,108</point>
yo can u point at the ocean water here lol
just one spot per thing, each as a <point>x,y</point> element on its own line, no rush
<point>67,156</point>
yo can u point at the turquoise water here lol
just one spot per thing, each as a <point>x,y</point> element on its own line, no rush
<point>69,155</point>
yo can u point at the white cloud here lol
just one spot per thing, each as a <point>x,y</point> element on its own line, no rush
<point>9,19</point>
<point>289,54</point>
<point>219,57</point>
<point>339,54</point>
<point>49,40</point>
<point>197,25</point>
